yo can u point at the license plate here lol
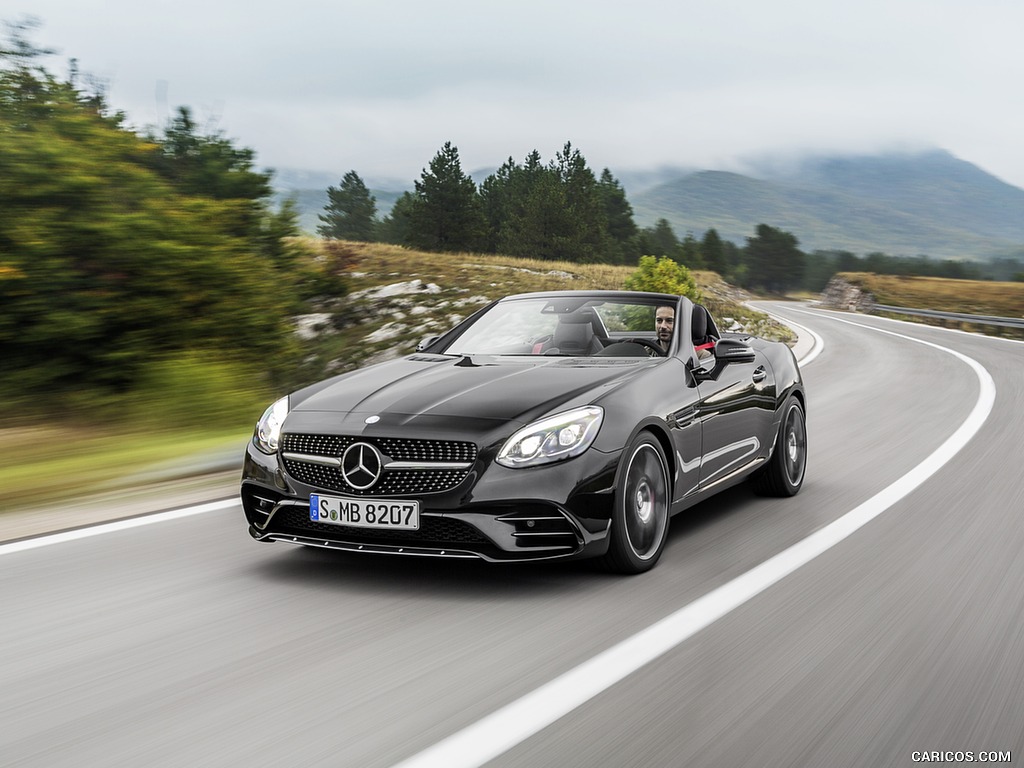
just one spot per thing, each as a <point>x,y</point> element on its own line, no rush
<point>365,513</point>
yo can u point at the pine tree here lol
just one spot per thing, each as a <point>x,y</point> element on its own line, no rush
<point>689,252</point>
<point>497,199</point>
<point>773,260</point>
<point>713,252</point>
<point>661,240</point>
<point>446,214</point>
<point>396,226</point>
<point>587,237</point>
<point>619,214</point>
<point>351,211</point>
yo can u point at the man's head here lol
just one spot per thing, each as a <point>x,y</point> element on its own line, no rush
<point>664,324</point>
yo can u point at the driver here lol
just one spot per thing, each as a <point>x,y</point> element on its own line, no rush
<point>664,325</point>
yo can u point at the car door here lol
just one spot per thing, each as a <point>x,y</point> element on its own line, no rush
<point>683,407</point>
<point>735,409</point>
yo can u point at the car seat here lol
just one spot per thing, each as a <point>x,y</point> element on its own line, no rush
<point>574,335</point>
<point>702,328</point>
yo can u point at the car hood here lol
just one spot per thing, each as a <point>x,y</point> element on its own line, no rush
<point>434,388</point>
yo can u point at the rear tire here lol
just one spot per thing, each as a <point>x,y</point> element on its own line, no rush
<point>640,517</point>
<point>784,473</point>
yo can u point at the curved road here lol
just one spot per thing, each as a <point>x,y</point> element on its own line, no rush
<point>185,643</point>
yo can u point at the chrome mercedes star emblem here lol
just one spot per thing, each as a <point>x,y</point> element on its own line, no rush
<point>361,465</point>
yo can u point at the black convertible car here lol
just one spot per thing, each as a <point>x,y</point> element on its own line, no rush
<point>546,425</point>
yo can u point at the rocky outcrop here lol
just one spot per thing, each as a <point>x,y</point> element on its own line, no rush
<point>842,294</point>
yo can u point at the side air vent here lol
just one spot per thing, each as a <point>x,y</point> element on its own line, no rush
<point>542,527</point>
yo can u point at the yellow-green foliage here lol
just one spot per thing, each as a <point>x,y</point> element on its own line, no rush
<point>116,249</point>
<point>663,275</point>
<point>191,390</point>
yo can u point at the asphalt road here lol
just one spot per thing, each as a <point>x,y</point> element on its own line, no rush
<point>184,643</point>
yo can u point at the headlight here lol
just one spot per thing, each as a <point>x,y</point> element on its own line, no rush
<point>268,429</point>
<point>552,439</point>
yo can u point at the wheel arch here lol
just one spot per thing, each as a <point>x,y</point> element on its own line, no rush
<point>659,432</point>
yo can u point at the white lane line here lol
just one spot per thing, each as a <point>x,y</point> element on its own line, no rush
<point>505,728</point>
<point>117,525</point>
<point>817,345</point>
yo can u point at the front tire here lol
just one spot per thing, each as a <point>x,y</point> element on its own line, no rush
<point>784,473</point>
<point>640,516</point>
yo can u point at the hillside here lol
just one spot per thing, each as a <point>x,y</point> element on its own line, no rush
<point>400,296</point>
<point>929,203</point>
<point>932,185</point>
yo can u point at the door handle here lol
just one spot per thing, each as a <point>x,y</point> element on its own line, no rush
<point>759,374</point>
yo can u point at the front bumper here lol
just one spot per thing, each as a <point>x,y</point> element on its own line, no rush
<point>497,514</point>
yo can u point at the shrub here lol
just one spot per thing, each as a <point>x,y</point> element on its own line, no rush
<point>195,389</point>
<point>663,275</point>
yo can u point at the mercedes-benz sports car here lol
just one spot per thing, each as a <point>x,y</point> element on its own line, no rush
<point>546,425</point>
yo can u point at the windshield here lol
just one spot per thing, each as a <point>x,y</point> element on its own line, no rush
<point>566,326</point>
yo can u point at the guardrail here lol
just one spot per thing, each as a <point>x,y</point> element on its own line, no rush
<point>1006,322</point>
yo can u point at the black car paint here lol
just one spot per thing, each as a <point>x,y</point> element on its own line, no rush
<point>704,417</point>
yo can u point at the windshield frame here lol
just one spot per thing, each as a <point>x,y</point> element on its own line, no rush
<point>607,313</point>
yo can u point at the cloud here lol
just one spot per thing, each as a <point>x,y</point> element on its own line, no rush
<point>380,87</point>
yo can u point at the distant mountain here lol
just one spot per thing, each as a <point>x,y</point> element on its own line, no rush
<point>901,204</point>
<point>932,185</point>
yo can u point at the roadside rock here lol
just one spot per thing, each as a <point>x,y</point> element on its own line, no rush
<point>842,294</point>
<point>310,326</point>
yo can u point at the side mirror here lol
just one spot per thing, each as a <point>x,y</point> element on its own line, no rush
<point>426,343</point>
<point>734,351</point>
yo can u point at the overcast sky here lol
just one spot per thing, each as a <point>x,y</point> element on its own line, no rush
<point>379,86</point>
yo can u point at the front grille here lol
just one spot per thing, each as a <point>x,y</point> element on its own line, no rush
<point>393,483</point>
<point>433,530</point>
<point>399,482</point>
<point>395,448</point>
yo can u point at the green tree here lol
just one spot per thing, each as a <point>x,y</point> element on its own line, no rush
<point>279,243</point>
<point>586,237</point>
<point>663,275</point>
<point>820,266</point>
<point>689,252</point>
<point>212,166</point>
<point>108,261</point>
<point>713,251</point>
<point>622,229</point>
<point>773,260</point>
<point>498,202</point>
<point>397,225</point>
<point>734,267</point>
<point>660,240</point>
<point>558,210</point>
<point>351,211</point>
<point>446,213</point>
<point>527,210</point>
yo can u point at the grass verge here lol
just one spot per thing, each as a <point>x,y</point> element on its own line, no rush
<point>55,463</point>
<point>973,297</point>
